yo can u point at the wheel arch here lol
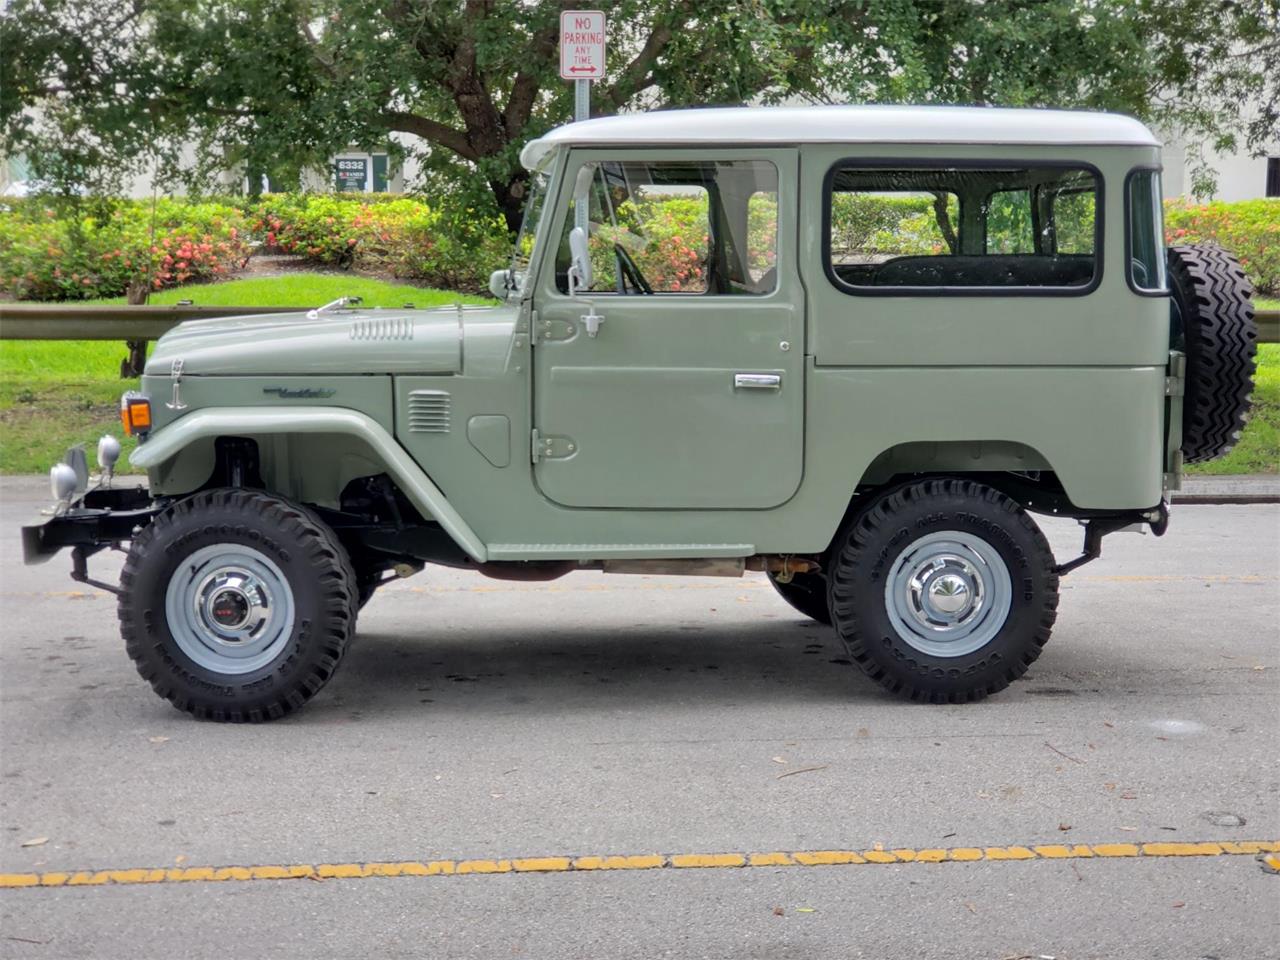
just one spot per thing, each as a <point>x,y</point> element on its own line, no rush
<point>953,456</point>
<point>182,454</point>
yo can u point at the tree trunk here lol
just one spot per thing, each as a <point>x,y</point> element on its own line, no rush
<point>510,195</point>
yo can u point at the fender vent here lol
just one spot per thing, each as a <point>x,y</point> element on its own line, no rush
<point>382,328</point>
<point>429,411</point>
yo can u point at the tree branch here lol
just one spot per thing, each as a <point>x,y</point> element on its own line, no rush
<point>637,76</point>
<point>524,90</point>
<point>402,121</point>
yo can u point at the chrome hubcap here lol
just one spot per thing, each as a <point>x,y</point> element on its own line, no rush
<point>229,608</point>
<point>233,605</point>
<point>948,594</point>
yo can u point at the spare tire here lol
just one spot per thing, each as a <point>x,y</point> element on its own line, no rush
<point>1213,324</point>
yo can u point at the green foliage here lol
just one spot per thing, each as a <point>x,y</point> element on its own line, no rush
<point>54,393</point>
<point>277,85</point>
<point>48,253</point>
<point>65,252</point>
<point>873,223</point>
<point>446,245</point>
<point>1259,448</point>
<point>1249,228</point>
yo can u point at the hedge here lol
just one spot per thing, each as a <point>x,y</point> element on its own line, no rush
<point>1248,228</point>
<point>75,255</point>
<point>453,248</point>
<point>67,254</point>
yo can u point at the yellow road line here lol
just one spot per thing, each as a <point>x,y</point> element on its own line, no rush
<point>678,861</point>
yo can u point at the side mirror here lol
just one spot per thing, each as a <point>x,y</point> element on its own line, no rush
<point>580,261</point>
<point>499,284</point>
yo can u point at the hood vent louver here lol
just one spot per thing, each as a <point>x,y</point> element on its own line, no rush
<point>382,328</point>
<point>429,411</point>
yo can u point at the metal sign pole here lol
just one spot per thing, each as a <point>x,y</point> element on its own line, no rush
<point>581,111</point>
<point>582,36</point>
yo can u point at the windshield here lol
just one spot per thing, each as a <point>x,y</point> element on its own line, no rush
<point>523,254</point>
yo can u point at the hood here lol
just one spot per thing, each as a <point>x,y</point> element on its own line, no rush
<point>337,341</point>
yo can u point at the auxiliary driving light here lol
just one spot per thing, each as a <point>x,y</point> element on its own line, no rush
<point>62,482</point>
<point>135,414</point>
<point>108,454</point>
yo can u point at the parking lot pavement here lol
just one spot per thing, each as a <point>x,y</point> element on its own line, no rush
<point>502,737</point>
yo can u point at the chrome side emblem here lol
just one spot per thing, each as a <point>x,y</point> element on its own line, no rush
<point>175,371</point>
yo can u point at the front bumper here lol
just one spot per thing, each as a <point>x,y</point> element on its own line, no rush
<point>100,518</point>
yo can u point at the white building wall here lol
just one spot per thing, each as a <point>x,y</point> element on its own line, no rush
<point>1239,176</point>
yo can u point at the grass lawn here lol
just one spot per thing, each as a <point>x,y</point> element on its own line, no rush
<point>57,393</point>
<point>1259,448</point>
<point>54,394</point>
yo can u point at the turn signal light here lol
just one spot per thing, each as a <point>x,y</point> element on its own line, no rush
<point>135,414</point>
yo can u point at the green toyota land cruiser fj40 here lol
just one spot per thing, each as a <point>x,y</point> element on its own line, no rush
<point>852,347</point>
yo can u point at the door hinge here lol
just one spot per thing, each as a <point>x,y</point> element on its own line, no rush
<point>544,447</point>
<point>548,330</point>
<point>1175,385</point>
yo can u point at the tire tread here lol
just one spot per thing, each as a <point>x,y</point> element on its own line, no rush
<point>325,555</point>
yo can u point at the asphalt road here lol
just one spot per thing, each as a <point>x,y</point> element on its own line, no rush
<point>481,721</point>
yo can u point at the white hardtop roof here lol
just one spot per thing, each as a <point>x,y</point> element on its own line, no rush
<point>845,124</point>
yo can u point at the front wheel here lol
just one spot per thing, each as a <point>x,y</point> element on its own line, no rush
<point>943,591</point>
<point>236,605</point>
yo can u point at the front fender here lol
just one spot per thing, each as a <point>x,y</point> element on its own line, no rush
<point>257,421</point>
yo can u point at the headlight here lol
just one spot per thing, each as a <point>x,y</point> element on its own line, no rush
<point>135,413</point>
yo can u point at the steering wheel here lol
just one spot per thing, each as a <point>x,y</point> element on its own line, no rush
<point>630,271</point>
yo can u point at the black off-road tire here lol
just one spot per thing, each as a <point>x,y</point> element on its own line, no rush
<point>1214,309</point>
<point>864,557</point>
<point>807,593</point>
<point>314,566</point>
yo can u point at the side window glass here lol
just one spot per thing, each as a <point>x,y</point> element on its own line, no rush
<point>1073,218</point>
<point>912,229</point>
<point>1145,232</point>
<point>676,227</point>
<point>872,227</point>
<point>1008,217</point>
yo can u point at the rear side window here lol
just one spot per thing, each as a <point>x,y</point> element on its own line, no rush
<point>1032,229</point>
<point>1144,231</point>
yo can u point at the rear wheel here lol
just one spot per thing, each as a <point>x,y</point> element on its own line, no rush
<point>943,591</point>
<point>237,605</point>
<point>806,592</point>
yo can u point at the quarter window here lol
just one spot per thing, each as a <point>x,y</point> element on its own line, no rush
<point>1145,232</point>
<point>901,230</point>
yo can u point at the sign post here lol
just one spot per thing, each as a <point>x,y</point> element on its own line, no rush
<point>581,60</point>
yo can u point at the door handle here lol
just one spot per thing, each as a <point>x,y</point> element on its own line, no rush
<point>757,381</point>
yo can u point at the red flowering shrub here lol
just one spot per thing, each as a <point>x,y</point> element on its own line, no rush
<point>1248,228</point>
<point>444,246</point>
<point>46,254</point>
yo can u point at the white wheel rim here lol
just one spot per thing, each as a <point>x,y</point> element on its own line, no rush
<point>948,594</point>
<point>229,608</point>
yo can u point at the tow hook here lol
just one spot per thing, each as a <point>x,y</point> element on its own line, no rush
<point>1096,529</point>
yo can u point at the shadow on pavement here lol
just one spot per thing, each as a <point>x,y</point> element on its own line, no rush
<point>591,669</point>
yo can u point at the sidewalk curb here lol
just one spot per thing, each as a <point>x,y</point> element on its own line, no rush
<point>1207,499</point>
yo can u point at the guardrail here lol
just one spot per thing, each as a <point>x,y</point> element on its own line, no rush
<point>136,325</point>
<point>38,321</point>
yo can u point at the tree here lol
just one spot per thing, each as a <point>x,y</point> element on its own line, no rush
<point>88,88</point>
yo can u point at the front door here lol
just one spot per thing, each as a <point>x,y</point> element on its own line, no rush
<point>690,393</point>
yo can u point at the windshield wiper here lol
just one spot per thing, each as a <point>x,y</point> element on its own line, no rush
<point>334,305</point>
